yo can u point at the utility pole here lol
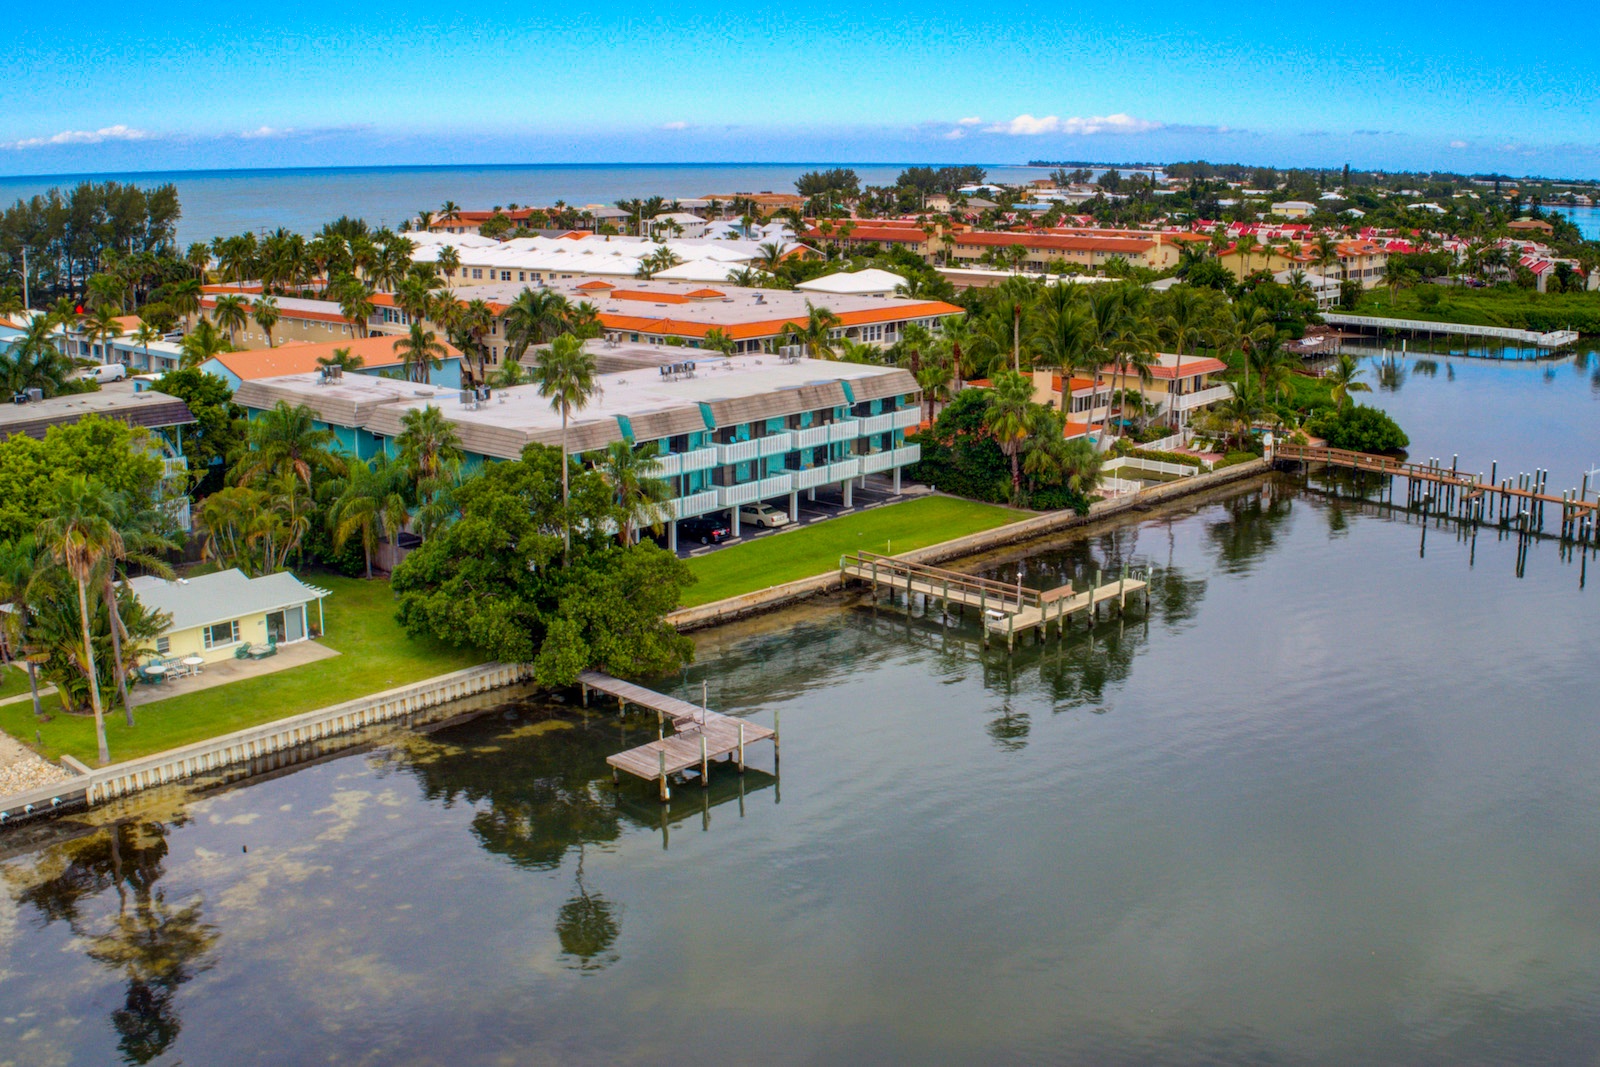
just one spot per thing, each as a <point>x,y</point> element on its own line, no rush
<point>25,304</point>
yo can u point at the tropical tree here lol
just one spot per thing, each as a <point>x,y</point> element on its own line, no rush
<point>286,440</point>
<point>718,340</point>
<point>640,495</point>
<point>448,260</point>
<point>20,563</point>
<point>231,313</point>
<point>355,302</point>
<point>32,361</point>
<point>569,379</point>
<point>421,352</point>
<point>342,359</point>
<point>534,317</point>
<point>144,337</point>
<point>79,533</point>
<point>201,343</point>
<point>370,505</point>
<point>1342,378</point>
<point>430,451</point>
<point>265,312</point>
<point>1007,419</point>
<point>816,334</point>
<point>101,327</point>
<point>142,538</point>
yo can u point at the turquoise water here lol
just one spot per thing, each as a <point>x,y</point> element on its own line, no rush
<point>1329,800</point>
<point>1587,219</point>
<point>230,202</point>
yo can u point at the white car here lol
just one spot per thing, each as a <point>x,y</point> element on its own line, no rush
<point>104,372</point>
<point>763,515</point>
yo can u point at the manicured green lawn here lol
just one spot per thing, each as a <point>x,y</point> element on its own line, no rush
<point>377,655</point>
<point>13,680</point>
<point>815,549</point>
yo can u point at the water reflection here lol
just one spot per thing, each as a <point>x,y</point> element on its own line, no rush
<point>1251,528</point>
<point>154,946</point>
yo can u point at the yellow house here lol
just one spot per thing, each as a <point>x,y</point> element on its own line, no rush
<point>215,614</point>
<point>1176,382</point>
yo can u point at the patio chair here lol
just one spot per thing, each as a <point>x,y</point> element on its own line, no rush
<point>242,652</point>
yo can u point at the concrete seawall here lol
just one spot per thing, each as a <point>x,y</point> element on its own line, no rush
<point>242,747</point>
<point>773,597</point>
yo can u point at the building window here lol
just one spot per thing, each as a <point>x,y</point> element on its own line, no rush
<point>163,646</point>
<point>222,633</point>
<point>477,272</point>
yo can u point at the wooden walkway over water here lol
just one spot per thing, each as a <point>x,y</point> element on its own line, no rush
<point>1007,610</point>
<point>1519,502</point>
<point>699,735</point>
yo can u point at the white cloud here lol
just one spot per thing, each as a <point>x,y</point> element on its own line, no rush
<point>679,125</point>
<point>100,136</point>
<point>1458,144</point>
<point>1028,126</point>
<point>264,132</point>
<point>973,121</point>
<point>955,135</point>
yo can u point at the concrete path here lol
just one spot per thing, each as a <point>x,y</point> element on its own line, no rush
<point>232,670</point>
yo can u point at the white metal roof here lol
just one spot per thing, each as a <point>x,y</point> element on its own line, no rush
<point>871,280</point>
<point>221,597</point>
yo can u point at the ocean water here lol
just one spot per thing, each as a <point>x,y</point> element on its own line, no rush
<point>1587,219</point>
<point>232,201</point>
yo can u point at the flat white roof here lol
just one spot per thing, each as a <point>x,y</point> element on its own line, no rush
<point>871,280</point>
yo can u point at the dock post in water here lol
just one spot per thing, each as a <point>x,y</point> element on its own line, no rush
<point>666,791</point>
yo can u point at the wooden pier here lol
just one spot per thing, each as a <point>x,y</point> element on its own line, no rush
<point>699,735</point>
<point>1007,610</point>
<point>1518,502</point>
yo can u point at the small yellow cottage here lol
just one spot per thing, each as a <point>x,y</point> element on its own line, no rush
<point>213,614</point>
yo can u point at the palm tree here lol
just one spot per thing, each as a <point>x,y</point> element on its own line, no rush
<point>770,256</point>
<point>430,449</point>
<point>1007,418</point>
<point>718,340</point>
<point>33,361</point>
<point>534,317</point>
<point>355,303</point>
<point>1184,326</point>
<point>265,312</point>
<point>421,352</point>
<point>230,314</point>
<point>568,378</point>
<point>371,505</point>
<point>198,257</point>
<point>285,440</point>
<point>101,326</point>
<point>201,343</point>
<point>1342,377</point>
<point>816,336</point>
<point>144,336</point>
<point>185,297</point>
<point>641,497</point>
<point>448,260</point>
<point>79,533</point>
<point>142,539</point>
<point>342,359</point>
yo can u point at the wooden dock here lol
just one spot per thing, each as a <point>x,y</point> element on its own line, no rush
<point>1007,610</point>
<point>699,735</point>
<point>1519,502</point>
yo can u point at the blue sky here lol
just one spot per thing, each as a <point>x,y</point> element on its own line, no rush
<point>187,85</point>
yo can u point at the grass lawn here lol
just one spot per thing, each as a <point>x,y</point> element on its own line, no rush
<point>815,549</point>
<point>377,655</point>
<point>13,680</point>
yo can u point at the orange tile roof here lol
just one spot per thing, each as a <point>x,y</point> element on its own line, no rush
<point>649,297</point>
<point>706,294</point>
<point>597,284</point>
<point>1054,242</point>
<point>256,363</point>
<point>772,327</point>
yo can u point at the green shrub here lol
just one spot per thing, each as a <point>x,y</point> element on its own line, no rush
<point>1360,429</point>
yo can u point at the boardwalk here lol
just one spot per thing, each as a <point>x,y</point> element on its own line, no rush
<point>1550,341</point>
<point>1520,501</point>
<point>1007,610</point>
<point>698,737</point>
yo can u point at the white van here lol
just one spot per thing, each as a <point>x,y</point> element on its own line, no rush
<point>104,372</point>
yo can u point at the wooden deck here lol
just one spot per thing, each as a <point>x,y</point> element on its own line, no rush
<point>1007,610</point>
<point>699,735</point>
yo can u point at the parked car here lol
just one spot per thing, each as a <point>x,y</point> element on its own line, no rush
<point>705,530</point>
<point>104,372</point>
<point>759,514</point>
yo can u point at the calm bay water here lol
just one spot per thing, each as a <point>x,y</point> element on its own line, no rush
<point>1331,800</point>
<point>1587,219</point>
<point>230,202</point>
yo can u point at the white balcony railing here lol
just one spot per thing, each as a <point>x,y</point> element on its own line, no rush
<point>738,452</point>
<point>908,418</point>
<point>906,455</point>
<point>668,466</point>
<point>848,430</point>
<point>686,507</point>
<point>812,477</point>
<point>810,437</point>
<point>1188,401</point>
<point>700,459</point>
<point>776,444</point>
<point>844,469</point>
<point>876,424</point>
<point>874,462</point>
<point>776,485</point>
<point>732,496</point>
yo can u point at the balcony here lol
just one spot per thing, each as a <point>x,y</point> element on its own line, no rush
<point>908,418</point>
<point>777,485</point>
<point>877,461</point>
<point>668,466</point>
<point>732,496</point>
<point>1189,401</point>
<point>686,507</point>
<point>810,437</point>
<point>776,444</point>
<point>699,459</point>
<point>812,477</point>
<point>738,452</point>
<point>906,455</point>
<point>848,430</point>
<point>844,470</point>
<point>876,424</point>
